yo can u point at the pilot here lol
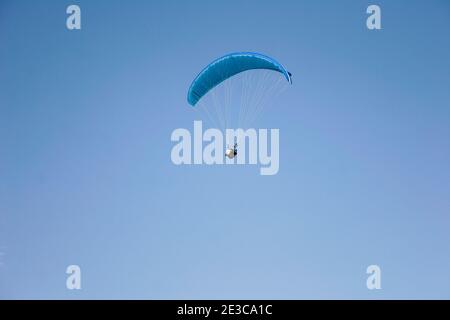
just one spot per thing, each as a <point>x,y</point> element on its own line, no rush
<point>231,152</point>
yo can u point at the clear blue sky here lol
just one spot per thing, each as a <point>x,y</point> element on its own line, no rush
<point>86,176</point>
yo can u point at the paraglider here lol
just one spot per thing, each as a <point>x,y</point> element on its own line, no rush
<point>222,71</point>
<point>227,66</point>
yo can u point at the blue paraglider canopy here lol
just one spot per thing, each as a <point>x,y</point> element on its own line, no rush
<point>228,66</point>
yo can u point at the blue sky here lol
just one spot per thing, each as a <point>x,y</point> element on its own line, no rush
<point>86,176</point>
